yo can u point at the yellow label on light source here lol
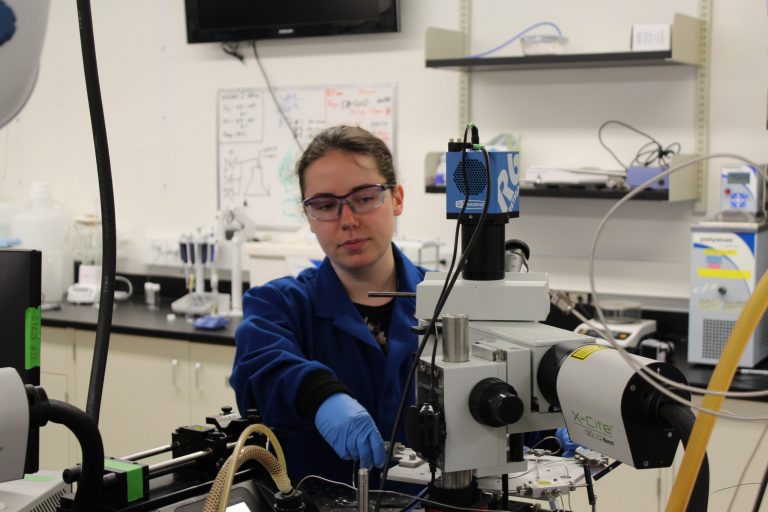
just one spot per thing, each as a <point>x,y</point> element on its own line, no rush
<point>584,352</point>
<point>723,273</point>
<point>720,252</point>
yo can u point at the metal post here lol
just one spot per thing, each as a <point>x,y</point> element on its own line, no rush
<point>362,490</point>
<point>455,338</point>
<point>456,479</point>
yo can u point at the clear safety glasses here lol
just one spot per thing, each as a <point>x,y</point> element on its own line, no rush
<point>361,200</point>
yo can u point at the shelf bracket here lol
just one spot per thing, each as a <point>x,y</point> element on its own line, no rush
<point>702,104</point>
<point>465,77</point>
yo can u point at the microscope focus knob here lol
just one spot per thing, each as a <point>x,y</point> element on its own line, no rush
<point>495,403</point>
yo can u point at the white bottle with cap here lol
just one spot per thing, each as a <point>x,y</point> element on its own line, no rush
<point>7,210</point>
<point>43,225</point>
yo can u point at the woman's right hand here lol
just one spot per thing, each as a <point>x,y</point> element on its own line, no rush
<point>350,430</point>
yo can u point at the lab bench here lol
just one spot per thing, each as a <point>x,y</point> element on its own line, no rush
<point>136,318</point>
<point>162,374</point>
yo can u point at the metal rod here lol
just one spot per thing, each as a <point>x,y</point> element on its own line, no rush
<point>362,490</point>
<point>179,460</point>
<point>164,471</point>
<point>150,452</point>
<point>392,294</point>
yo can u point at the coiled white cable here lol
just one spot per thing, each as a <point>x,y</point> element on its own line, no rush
<point>652,378</point>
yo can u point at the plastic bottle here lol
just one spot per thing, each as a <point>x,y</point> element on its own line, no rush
<point>44,226</point>
<point>6,214</point>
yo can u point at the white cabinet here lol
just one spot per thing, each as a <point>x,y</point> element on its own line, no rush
<point>209,380</point>
<point>58,446</point>
<point>152,386</point>
<point>146,390</point>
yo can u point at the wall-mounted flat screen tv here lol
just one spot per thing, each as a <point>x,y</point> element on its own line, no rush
<point>246,20</point>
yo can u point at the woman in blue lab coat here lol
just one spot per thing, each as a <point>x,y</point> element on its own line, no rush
<point>324,363</point>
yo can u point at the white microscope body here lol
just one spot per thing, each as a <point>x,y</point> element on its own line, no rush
<point>550,378</point>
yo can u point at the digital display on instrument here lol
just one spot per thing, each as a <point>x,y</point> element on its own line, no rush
<point>738,178</point>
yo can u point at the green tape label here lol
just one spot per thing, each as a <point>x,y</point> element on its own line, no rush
<point>133,475</point>
<point>38,478</point>
<point>32,338</point>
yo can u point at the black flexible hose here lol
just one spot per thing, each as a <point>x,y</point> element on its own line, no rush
<point>87,433</point>
<point>682,419</point>
<point>761,491</point>
<point>108,230</point>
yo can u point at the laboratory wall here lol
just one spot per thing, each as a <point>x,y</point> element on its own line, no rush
<point>160,104</point>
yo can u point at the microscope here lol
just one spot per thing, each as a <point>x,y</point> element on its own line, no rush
<point>501,372</point>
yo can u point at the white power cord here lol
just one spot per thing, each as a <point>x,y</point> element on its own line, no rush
<point>653,378</point>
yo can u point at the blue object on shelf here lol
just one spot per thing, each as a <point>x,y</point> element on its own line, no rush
<point>211,322</point>
<point>638,175</point>
<point>8,242</point>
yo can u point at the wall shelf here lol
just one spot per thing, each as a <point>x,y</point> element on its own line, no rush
<point>584,60</point>
<point>581,193</point>
<point>445,50</point>
<point>682,184</point>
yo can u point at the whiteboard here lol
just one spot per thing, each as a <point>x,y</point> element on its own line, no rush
<point>257,153</point>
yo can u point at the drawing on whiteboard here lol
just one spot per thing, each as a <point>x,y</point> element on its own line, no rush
<point>258,152</point>
<point>245,177</point>
<point>241,115</point>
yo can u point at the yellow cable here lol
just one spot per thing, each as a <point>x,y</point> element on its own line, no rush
<point>262,429</point>
<point>720,381</point>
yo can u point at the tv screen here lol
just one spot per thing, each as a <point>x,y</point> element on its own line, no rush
<point>245,20</point>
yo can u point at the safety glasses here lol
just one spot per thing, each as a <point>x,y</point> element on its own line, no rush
<point>361,200</point>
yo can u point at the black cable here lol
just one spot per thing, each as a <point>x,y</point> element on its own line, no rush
<point>414,364</point>
<point>647,154</point>
<point>87,433</point>
<point>465,256</point>
<point>473,239</point>
<point>682,419</point>
<point>761,491</point>
<point>657,153</point>
<point>591,498</point>
<point>600,474</point>
<point>108,230</point>
<point>447,287</point>
<point>232,49</point>
<point>274,98</point>
<point>505,491</point>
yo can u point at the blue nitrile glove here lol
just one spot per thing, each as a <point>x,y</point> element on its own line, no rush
<point>569,447</point>
<point>350,430</point>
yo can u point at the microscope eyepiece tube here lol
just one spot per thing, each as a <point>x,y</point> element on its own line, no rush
<point>455,338</point>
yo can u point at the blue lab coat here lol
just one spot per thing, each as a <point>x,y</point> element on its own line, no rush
<point>295,326</point>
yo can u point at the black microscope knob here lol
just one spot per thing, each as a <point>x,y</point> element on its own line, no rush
<point>495,403</point>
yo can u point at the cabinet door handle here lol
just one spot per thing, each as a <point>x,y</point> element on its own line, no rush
<point>198,367</point>
<point>174,367</point>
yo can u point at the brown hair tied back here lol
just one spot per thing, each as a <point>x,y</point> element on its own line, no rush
<point>351,139</point>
